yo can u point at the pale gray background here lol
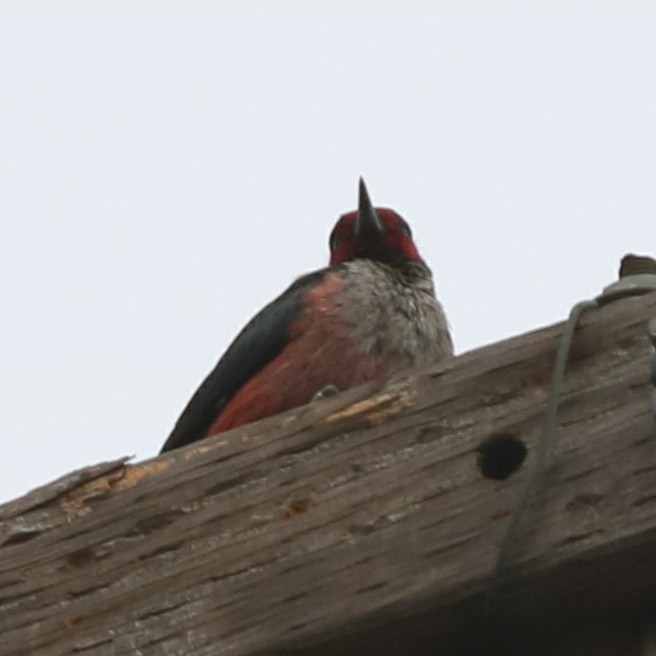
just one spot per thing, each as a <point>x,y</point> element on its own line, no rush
<point>166,168</point>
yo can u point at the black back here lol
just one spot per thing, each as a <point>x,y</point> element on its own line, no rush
<point>263,338</point>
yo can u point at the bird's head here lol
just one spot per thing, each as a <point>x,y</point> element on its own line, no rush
<point>372,233</point>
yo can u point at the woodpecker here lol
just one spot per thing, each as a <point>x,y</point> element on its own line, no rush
<point>371,313</point>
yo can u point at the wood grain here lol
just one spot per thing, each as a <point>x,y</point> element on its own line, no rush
<point>361,524</point>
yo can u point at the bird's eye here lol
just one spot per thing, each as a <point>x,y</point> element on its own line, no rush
<point>405,230</point>
<point>334,241</point>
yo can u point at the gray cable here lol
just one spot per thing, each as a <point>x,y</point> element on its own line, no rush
<point>536,466</point>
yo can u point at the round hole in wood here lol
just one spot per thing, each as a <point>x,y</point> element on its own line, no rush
<point>501,455</point>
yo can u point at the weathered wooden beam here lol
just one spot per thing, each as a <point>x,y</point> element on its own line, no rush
<point>361,524</point>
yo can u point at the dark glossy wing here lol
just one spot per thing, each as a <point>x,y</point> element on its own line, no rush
<point>261,340</point>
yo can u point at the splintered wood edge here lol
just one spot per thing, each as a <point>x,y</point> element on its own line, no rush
<point>76,501</point>
<point>377,409</point>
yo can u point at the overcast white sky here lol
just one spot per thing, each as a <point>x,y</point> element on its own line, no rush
<point>166,168</point>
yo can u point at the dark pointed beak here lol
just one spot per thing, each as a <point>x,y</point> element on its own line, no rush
<point>367,220</point>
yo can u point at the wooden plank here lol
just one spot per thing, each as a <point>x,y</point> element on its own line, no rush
<point>358,525</point>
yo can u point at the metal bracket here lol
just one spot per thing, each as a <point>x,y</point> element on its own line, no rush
<point>632,285</point>
<point>637,276</point>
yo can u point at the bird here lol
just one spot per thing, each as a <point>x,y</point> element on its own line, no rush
<point>370,313</point>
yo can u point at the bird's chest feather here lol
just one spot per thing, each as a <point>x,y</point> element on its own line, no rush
<point>369,317</point>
